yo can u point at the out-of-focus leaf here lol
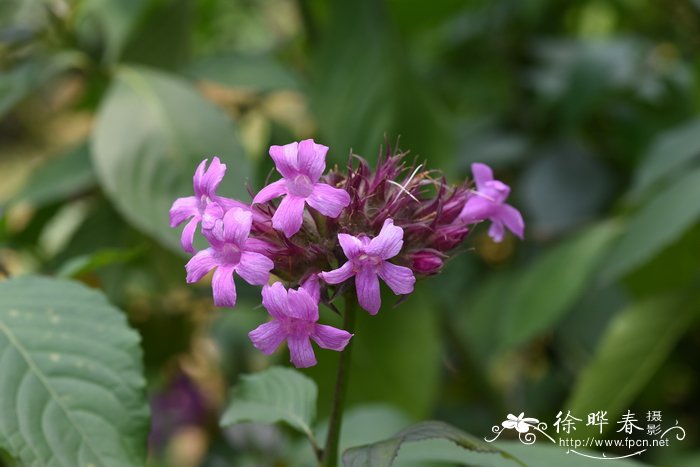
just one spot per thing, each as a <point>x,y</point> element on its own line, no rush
<point>636,343</point>
<point>275,395</point>
<point>151,133</point>
<point>71,381</point>
<point>383,453</point>
<point>259,73</point>
<point>540,454</point>
<point>548,288</point>
<point>671,152</point>
<point>657,224</point>
<point>80,265</point>
<point>59,178</point>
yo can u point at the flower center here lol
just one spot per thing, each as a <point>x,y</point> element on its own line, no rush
<point>365,260</point>
<point>296,326</point>
<point>300,186</point>
<point>230,253</point>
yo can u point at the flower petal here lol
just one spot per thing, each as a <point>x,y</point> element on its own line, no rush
<point>300,351</point>
<point>400,279</point>
<point>389,241</point>
<point>187,237</point>
<point>200,264</point>
<point>237,223</point>
<point>367,285</point>
<point>285,158</point>
<point>327,200</point>
<point>212,213</point>
<point>482,174</point>
<point>182,209</point>
<point>339,275</point>
<point>512,219</point>
<point>313,287</point>
<point>209,180</point>
<point>254,268</point>
<point>302,305</point>
<point>352,246</point>
<point>477,208</point>
<point>328,337</point>
<point>311,159</point>
<point>223,286</point>
<point>274,299</point>
<point>497,231</point>
<point>273,190</point>
<point>267,337</point>
<point>198,179</point>
<point>289,215</point>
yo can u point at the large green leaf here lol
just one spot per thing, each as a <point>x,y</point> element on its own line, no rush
<point>636,343</point>
<point>275,395</point>
<point>383,453</point>
<point>71,380</point>
<point>152,131</point>
<point>551,286</point>
<point>657,224</point>
<point>255,72</point>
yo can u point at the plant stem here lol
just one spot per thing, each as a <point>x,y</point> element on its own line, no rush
<point>330,452</point>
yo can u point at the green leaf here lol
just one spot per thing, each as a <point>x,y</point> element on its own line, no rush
<point>80,265</point>
<point>151,133</point>
<point>275,395</point>
<point>540,454</point>
<point>383,453</point>
<point>636,343</point>
<point>259,73</point>
<point>59,178</point>
<point>71,380</point>
<point>670,153</point>
<point>656,225</point>
<point>548,288</point>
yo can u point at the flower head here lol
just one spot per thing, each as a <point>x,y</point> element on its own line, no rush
<point>295,319</point>
<point>489,203</point>
<point>231,251</point>
<point>301,166</point>
<point>367,262</point>
<point>205,206</point>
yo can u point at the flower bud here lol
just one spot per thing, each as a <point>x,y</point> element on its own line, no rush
<point>426,262</point>
<point>449,236</point>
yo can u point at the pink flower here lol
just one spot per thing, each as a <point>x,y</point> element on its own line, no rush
<point>231,251</point>
<point>301,165</point>
<point>367,261</point>
<point>205,205</point>
<point>488,202</point>
<point>294,318</point>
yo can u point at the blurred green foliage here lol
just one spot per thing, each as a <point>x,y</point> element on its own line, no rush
<point>588,108</point>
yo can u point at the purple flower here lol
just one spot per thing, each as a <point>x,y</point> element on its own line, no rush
<point>488,202</point>
<point>367,261</point>
<point>294,318</point>
<point>426,262</point>
<point>205,205</point>
<point>301,165</point>
<point>231,251</point>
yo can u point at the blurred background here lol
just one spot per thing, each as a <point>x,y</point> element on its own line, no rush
<point>587,108</point>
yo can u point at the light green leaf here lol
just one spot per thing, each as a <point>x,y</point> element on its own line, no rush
<point>275,395</point>
<point>255,72</point>
<point>548,288</point>
<point>670,153</point>
<point>151,133</point>
<point>636,343</point>
<point>71,380</point>
<point>79,265</point>
<point>383,453</point>
<point>656,225</point>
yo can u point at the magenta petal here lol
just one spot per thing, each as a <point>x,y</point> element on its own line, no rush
<point>512,219</point>
<point>182,209</point>
<point>228,203</point>
<point>237,223</point>
<point>300,351</point>
<point>254,268</point>
<point>274,299</point>
<point>352,246</point>
<point>367,285</point>
<point>200,264</point>
<point>389,241</point>
<point>198,179</point>
<point>273,190</point>
<point>312,286</point>
<point>259,246</point>
<point>497,231</point>
<point>477,209</point>
<point>187,237</point>
<point>267,337</point>
<point>285,158</point>
<point>212,213</point>
<point>212,177</point>
<point>339,275</point>
<point>328,337</point>
<point>327,200</point>
<point>223,287</point>
<point>482,174</point>
<point>289,215</point>
<point>302,306</point>
<point>311,159</point>
<point>400,279</point>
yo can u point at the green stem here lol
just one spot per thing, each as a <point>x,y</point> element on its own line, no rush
<point>330,452</point>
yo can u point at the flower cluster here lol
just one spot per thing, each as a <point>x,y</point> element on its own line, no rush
<point>332,234</point>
